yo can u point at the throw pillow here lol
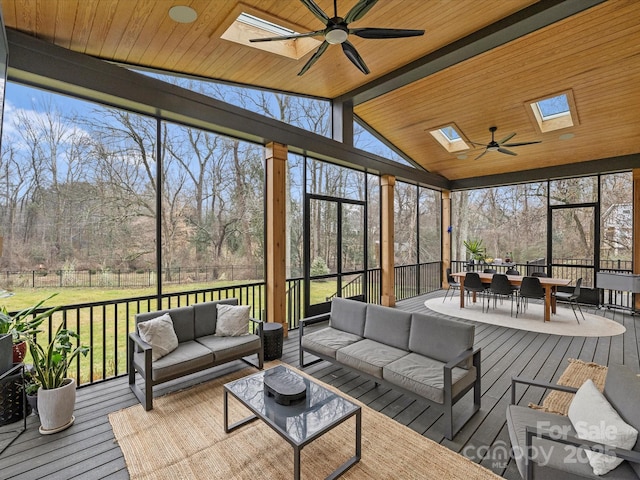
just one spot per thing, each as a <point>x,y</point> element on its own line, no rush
<point>596,420</point>
<point>233,320</point>
<point>159,333</point>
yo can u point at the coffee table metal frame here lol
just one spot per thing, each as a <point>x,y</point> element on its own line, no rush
<point>297,445</point>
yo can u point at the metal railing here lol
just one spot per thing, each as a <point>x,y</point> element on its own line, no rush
<point>572,269</point>
<point>104,326</point>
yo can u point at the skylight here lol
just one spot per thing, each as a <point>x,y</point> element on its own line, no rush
<point>450,138</point>
<point>243,26</point>
<point>265,25</point>
<point>554,112</point>
<point>553,107</point>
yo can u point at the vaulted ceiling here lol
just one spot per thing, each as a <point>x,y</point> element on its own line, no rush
<point>479,64</point>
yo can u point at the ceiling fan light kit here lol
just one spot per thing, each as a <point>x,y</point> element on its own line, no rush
<point>337,31</point>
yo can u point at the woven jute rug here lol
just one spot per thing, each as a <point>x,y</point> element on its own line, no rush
<point>183,438</point>
<point>574,375</point>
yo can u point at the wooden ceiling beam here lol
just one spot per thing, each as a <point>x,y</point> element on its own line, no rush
<point>523,22</point>
<point>592,167</point>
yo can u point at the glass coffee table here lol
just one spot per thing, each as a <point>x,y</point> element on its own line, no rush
<point>302,421</point>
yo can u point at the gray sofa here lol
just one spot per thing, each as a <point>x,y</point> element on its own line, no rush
<point>545,444</point>
<point>426,357</point>
<point>198,347</point>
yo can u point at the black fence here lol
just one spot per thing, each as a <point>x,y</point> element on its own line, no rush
<point>140,278</point>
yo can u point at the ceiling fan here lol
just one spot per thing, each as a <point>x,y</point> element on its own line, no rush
<point>493,146</point>
<point>337,31</point>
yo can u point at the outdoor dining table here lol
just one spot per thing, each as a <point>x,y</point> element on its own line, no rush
<point>549,284</point>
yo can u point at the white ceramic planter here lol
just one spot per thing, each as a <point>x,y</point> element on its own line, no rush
<point>55,407</point>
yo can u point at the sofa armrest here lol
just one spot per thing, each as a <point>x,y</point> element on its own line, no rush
<point>258,324</point>
<point>451,364</point>
<point>537,383</point>
<point>463,357</point>
<point>136,340</point>
<point>553,436</point>
<point>313,320</point>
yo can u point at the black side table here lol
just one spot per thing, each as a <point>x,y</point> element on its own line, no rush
<point>11,376</point>
<point>273,338</point>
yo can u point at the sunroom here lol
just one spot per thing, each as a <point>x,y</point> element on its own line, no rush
<point>163,160</point>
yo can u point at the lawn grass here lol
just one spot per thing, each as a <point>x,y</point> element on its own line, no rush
<point>105,328</point>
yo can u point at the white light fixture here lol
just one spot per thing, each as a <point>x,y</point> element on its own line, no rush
<point>566,136</point>
<point>337,35</point>
<point>183,14</point>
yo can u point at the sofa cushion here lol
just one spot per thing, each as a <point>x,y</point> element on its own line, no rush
<point>593,418</point>
<point>206,314</point>
<point>183,321</point>
<point>552,460</point>
<point>189,355</point>
<point>328,341</point>
<point>233,320</point>
<point>388,325</point>
<point>369,356</point>
<point>348,315</point>
<point>425,376</point>
<point>622,389</point>
<point>227,348</point>
<point>439,338</point>
<point>158,332</point>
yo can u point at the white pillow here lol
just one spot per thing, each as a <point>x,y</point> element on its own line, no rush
<point>159,333</point>
<point>233,320</point>
<point>595,419</point>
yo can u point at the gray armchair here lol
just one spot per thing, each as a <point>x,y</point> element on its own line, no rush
<point>545,445</point>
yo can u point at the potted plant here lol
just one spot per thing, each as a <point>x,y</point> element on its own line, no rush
<point>57,392</point>
<point>21,325</point>
<point>476,250</point>
<point>31,387</point>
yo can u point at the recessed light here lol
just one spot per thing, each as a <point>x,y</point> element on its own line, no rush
<point>566,136</point>
<point>462,156</point>
<point>183,14</point>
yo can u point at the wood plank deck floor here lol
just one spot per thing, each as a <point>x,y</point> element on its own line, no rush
<point>88,450</point>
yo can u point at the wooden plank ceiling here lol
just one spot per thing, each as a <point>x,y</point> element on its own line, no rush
<point>595,54</point>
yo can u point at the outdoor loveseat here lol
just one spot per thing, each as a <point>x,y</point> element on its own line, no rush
<point>201,341</point>
<point>546,446</point>
<point>423,356</point>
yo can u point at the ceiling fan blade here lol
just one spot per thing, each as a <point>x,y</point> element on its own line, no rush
<point>507,138</point>
<point>351,53</point>
<point>314,58</point>
<point>485,151</point>
<point>289,37</point>
<point>381,33</point>
<point>521,144</point>
<point>478,144</point>
<point>359,10</point>
<point>508,152</point>
<point>316,10</point>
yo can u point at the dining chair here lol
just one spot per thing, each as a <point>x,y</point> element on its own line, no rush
<point>488,270</point>
<point>572,298</point>
<point>529,288</point>
<point>513,271</point>
<point>473,284</point>
<point>500,287</point>
<point>539,274</point>
<point>453,285</point>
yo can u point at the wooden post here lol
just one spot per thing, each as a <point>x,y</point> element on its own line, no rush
<point>387,183</point>
<point>446,235</point>
<point>276,281</point>
<point>636,231</point>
